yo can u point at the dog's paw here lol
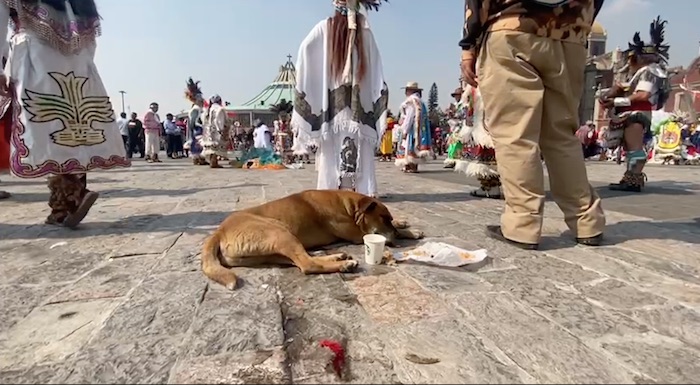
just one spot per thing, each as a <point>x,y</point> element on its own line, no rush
<point>231,286</point>
<point>348,266</point>
<point>418,235</point>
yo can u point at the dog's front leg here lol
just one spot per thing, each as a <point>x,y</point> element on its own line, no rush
<point>409,234</point>
<point>400,224</point>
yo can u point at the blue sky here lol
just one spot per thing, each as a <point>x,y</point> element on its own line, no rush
<point>235,47</point>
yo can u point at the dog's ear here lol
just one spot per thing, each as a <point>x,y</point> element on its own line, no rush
<point>367,205</point>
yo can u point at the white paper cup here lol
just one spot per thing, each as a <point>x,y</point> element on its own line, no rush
<point>374,248</point>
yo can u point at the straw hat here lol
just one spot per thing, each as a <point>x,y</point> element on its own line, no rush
<point>412,86</point>
<point>458,91</point>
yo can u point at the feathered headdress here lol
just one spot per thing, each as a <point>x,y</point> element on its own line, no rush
<point>372,5</point>
<point>655,46</point>
<point>193,92</point>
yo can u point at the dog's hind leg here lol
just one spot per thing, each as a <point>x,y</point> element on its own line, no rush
<point>270,242</point>
<point>334,263</point>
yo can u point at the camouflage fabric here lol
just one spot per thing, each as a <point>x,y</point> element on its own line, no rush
<point>569,22</point>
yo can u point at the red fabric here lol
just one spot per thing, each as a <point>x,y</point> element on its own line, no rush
<point>637,106</point>
<point>5,133</point>
<point>339,355</point>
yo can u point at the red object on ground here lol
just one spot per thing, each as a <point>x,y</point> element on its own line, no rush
<point>338,355</point>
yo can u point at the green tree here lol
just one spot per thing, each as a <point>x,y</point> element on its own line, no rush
<point>433,108</point>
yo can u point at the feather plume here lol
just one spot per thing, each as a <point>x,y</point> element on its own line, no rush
<point>192,92</point>
<point>373,5</point>
<point>657,33</point>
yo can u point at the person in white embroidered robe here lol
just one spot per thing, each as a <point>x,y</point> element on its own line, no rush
<point>52,54</point>
<point>341,98</point>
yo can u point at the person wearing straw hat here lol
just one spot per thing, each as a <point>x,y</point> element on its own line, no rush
<point>341,98</point>
<point>415,142</point>
<point>527,57</point>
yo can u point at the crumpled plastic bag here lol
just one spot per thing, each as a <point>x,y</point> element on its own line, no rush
<point>441,254</point>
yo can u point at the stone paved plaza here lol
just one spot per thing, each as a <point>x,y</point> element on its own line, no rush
<point>122,300</point>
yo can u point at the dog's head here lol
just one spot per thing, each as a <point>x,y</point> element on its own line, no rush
<point>373,217</point>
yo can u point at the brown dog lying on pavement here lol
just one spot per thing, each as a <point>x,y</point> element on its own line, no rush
<point>279,233</point>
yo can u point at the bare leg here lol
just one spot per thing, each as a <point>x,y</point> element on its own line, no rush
<point>634,178</point>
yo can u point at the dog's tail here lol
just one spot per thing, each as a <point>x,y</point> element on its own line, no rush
<point>211,264</point>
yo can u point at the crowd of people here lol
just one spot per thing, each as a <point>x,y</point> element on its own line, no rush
<point>515,111</point>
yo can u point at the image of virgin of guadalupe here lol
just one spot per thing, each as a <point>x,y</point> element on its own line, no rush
<point>348,157</point>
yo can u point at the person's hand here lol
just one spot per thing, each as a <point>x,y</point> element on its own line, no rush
<point>468,66</point>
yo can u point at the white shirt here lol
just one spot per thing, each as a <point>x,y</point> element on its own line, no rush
<point>123,125</point>
<point>260,140</point>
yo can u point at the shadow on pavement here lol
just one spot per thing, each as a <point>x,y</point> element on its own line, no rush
<point>193,222</point>
<point>440,197</point>
<point>129,193</point>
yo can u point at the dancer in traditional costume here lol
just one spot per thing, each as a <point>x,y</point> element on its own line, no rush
<point>194,127</point>
<point>61,120</point>
<point>632,103</point>
<point>341,98</point>
<point>483,164</point>
<point>216,133</point>
<point>386,149</point>
<point>456,116</point>
<point>415,142</point>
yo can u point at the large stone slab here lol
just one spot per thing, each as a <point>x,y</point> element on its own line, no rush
<point>572,311</point>
<point>543,349</point>
<point>675,321</point>
<point>248,319</point>
<point>657,263</point>
<point>445,350</point>
<point>444,280</point>
<point>16,301</point>
<point>395,300</point>
<point>540,267</point>
<point>661,359</point>
<point>322,307</point>
<point>152,242</point>
<point>641,278</point>
<point>251,367</point>
<point>164,304</point>
<point>53,332</point>
<point>38,374</point>
<point>146,360</point>
<point>619,295</point>
<point>183,255</point>
<point>114,278</point>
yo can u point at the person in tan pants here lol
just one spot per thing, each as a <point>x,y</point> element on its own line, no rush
<point>535,55</point>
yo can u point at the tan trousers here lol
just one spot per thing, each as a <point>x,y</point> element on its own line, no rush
<point>531,87</point>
